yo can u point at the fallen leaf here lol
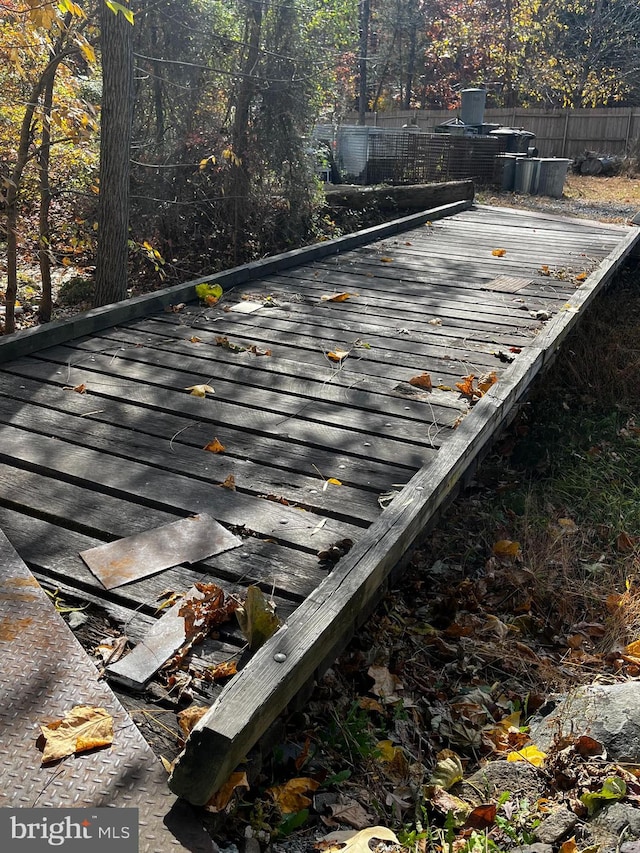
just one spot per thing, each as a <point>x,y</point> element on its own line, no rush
<point>345,841</point>
<point>386,684</point>
<point>225,669</point>
<point>435,322</point>
<point>582,276</point>
<point>351,813</point>
<point>369,704</point>
<point>506,548</point>
<point>337,297</point>
<point>499,253</point>
<point>568,846</point>
<point>200,390</point>
<point>625,543</point>
<point>387,750</point>
<point>423,380</point>
<point>214,446</point>
<point>209,293</point>
<point>257,618</point>
<point>229,483</point>
<point>221,799</point>
<point>334,481</point>
<point>544,270</point>
<point>83,728</point>
<point>486,381</point>
<point>189,717</point>
<point>386,260</point>
<point>337,355</point>
<point>482,816</point>
<point>614,788</point>
<point>530,754</point>
<point>589,747</point>
<point>255,350</point>
<point>448,804</point>
<point>292,797</point>
<point>448,769</point>
<point>225,343</point>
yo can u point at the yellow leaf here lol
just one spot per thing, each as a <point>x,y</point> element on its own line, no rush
<point>506,548</point>
<point>633,648</point>
<point>189,717</point>
<point>83,728</point>
<point>386,260</point>
<point>387,750</point>
<point>334,482</point>
<point>338,297</point>
<point>291,796</point>
<point>222,798</point>
<point>337,355</point>
<point>350,841</point>
<point>448,769</point>
<point>485,382</point>
<point>214,446</point>
<point>200,390</point>
<point>499,253</point>
<point>510,722</point>
<point>531,754</point>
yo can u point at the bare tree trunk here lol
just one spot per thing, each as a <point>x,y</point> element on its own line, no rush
<point>365,16</point>
<point>115,141</point>
<point>44,230</point>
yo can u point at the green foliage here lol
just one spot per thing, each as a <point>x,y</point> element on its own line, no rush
<point>613,789</point>
<point>76,291</point>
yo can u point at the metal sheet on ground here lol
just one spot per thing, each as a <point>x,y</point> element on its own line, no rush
<point>185,541</point>
<point>45,673</point>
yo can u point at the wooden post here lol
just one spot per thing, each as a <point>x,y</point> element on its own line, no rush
<point>626,141</point>
<point>566,128</point>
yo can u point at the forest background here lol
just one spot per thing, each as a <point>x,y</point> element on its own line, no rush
<point>145,143</point>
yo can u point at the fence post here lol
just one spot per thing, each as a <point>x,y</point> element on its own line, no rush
<point>626,141</point>
<point>566,128</point>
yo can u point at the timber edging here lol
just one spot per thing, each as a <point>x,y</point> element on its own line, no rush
<point>287,662</point>
<point>31,340</point>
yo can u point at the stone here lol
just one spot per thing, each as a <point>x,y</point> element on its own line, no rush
<point>496,777</point>
<point>558,823</point>
<point>536,847</point>
<point>609,713</point>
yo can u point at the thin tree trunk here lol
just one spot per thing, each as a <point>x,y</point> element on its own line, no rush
<point>115,141</point>
<point>44,230</point>
<point>365,16</point>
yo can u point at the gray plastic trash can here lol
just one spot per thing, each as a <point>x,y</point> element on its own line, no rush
<point>552,175</point>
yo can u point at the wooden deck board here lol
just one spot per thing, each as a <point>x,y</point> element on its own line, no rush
<point>78,469</point>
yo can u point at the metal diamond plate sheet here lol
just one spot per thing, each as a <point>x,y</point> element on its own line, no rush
<point>45,672</point>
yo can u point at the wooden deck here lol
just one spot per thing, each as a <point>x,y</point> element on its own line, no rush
<point>316,446</point>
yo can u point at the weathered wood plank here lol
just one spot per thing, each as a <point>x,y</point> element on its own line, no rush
<point>178,434</point>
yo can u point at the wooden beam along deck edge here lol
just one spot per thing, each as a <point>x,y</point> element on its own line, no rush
<point>29,341</point>
<point>259,692</point>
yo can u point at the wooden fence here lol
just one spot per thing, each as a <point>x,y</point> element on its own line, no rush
<point>559,133</point>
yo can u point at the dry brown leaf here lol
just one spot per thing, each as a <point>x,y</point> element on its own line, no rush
<point>582,276</point>
<point>291,796</point>
<point>423,380</point>
<point>385,683</point>
<point>482,816</point>
<point>221,799</point>
<point>569,846</point>
<point>485,382</point>
<point>337,355</point>
<point>352,813</point>
<point>214,446</point>
<point>369,704</point>
<point>222,670</point>
<point>189,717</point>
<point>499,253</point>
<point>194,339</point>
<point>229,483</point>
<point>84,727</point>
<point>338,297</point>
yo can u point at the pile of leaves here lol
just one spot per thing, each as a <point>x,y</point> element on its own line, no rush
<point>527,587</point>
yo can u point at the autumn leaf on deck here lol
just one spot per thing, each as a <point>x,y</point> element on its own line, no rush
<point>208,293</point>
<point>346,841</point>
<point>291,796</point>
<point>338,297</point>
<point>499,253</point>
<point>386,260</point>
<point>199,390</point>
<point>229,483</point>
<point>83,728</point>
<point>337,355</point>
<point>79,389</point>
<point>255,350</point>
<point>486,381</point>
<point>544,270</point>
<point>423,380</point>
<point>225,343</point>
<point>214,446</point>
<point>257,618</point>
<point>225,669</point>
<point>194,339</point>
<point>583,276</point>
<point>474,388</point>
